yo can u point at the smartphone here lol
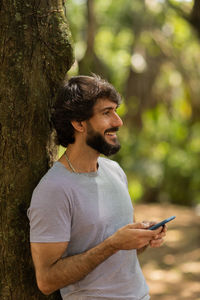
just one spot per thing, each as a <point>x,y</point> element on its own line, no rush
<point>162,223</point>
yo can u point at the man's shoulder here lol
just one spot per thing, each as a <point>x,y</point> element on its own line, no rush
<point>54,177</point>
<point>113,167</point>
<point>108,162</point>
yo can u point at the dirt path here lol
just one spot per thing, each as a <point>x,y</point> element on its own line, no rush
<point>173,271</point>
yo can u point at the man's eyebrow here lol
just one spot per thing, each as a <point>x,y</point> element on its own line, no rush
<point>108,108</point>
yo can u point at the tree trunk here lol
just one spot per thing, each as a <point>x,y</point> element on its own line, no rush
<point>36,53</point>
<point>195,16</point>
<point>90,63</point>
<point>138,91</point>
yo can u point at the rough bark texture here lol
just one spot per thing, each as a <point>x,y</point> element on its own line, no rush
<point>36,53</point>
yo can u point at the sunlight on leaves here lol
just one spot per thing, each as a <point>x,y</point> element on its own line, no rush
<point>80,48</point>
<point>175,78</point>
<point>153,5</point>
<point>61,150</point>
<point>160,151</point>
<point>138,63</point>
<point>122,109</point>
<point>135,189</point>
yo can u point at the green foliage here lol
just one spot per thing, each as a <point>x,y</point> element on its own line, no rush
<point>165,157</point>
<point>161,154</point>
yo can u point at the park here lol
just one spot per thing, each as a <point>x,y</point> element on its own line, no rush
<point>149,50</point>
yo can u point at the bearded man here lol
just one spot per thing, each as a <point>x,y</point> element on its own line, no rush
<point>83,237</point>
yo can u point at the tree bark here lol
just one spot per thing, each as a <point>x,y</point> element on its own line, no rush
<point>36,53</point>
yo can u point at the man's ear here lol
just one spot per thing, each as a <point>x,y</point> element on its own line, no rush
<point>78,125</point>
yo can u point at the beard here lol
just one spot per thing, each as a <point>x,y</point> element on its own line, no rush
<point>96,141</point>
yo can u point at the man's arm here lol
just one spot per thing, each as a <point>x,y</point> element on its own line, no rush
<point>54,272</point>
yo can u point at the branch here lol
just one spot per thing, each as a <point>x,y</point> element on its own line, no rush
<point>178,10</point>
<point>195,16</point>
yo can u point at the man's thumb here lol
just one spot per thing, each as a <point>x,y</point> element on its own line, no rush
<point>140,225</point>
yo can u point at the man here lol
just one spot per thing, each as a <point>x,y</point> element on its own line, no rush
<point>83,239</point>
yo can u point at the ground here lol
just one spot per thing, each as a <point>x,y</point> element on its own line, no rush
<point>173,271</point>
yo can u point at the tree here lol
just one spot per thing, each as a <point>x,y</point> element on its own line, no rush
<point>91,63</point>
<point>36,53</point>
<point>151,53</point>
<point>195,16</point>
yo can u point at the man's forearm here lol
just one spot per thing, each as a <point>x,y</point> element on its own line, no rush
<point>71,269</point>
<point>64,271</point>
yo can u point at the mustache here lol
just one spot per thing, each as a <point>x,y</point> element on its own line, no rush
<point>112,129</point>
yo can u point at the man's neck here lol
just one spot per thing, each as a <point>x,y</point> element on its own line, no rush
<point>82,158</point>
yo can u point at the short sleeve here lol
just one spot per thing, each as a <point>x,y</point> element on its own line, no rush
<point>49,214</point>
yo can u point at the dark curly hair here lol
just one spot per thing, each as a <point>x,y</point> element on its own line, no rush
<point>75,101</point>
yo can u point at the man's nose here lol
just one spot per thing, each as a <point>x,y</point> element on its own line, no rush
<point>118,121</point>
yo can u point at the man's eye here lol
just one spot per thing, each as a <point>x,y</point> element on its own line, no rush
<point>106,112</point>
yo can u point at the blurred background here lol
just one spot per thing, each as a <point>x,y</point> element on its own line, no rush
<point>150,51</point>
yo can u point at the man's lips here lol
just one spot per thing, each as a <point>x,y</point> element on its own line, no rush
<point>111,132</point>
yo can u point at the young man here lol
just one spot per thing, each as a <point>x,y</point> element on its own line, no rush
<point>83,239</point>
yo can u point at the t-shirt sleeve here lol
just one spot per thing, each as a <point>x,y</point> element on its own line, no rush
<point>49,214</point>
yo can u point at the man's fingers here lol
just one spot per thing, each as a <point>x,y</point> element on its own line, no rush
<point>160,235</point>
<point>147,234</point>
<point>158,230</point>
<point>164,228</point>
<point>150,223</point>
<point>156,243</point>
<point>138,226</point>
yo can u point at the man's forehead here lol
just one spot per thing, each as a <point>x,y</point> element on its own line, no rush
<point>104,104</point>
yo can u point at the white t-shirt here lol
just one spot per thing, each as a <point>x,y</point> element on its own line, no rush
<point>84,209</point>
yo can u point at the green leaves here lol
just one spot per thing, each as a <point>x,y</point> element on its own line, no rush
<point>151,55</point>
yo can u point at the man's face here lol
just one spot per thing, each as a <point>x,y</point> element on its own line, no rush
<point>102,128</point>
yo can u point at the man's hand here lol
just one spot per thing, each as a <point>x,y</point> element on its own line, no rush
<point>159,239</point>
<point>54,272</point>
<point>134,236</point>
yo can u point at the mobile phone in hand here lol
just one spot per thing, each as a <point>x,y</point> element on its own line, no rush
<point>161,223</point>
